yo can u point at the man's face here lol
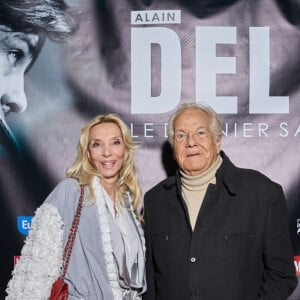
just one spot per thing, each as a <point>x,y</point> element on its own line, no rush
<point>16,53</point>
<point>195,148</point>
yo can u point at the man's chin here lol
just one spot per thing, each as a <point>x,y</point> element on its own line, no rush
<point>8,143</point>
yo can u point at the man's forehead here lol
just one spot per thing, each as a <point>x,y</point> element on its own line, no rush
<point>192,117</point>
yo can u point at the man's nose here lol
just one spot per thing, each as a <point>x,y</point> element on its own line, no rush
<point>190,140</point>
<point>14,97</point>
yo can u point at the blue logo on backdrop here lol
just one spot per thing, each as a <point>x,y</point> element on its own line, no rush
<point>24,224</point>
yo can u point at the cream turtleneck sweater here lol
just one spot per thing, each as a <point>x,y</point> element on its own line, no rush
<point>194,189</point>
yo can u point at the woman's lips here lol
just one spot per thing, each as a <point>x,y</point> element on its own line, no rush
<point>108,164</point>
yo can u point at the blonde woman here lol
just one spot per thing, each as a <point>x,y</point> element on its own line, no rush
<point>107,261</point>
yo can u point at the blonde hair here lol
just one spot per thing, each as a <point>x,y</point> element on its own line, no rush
<point>215,124</point>
<point>84,170</point>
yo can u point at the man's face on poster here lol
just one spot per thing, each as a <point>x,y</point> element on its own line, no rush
<point>17,51</point>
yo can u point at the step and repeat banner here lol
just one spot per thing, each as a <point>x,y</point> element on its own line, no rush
<point>141,59</point>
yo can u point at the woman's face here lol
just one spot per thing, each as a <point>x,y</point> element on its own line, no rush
<point>107,151</point>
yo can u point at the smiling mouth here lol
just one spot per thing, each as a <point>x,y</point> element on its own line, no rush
<point>108,164</point>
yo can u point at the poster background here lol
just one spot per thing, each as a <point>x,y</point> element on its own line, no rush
<point>91,74</point>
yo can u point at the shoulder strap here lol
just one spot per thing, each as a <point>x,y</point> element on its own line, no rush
<point>72,234</point>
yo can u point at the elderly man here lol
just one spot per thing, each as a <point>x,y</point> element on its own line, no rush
<point>215,231</point>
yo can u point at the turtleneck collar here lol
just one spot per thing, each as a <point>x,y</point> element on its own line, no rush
<point>200,182</point>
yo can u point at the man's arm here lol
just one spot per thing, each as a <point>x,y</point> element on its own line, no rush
<point>279,271</point>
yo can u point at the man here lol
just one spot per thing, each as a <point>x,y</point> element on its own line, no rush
<point>23,26</point>
<point>215,231</point>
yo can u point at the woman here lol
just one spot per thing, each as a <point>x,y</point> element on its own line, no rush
<point>107,261</point>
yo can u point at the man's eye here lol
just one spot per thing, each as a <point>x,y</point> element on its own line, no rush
<point>14,56</point>
<point>180,136</point>
<point>201,133</point>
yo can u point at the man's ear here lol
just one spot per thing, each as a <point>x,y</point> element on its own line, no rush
<point>218,144</point>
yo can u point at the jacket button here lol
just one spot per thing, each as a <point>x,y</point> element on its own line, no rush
<point>193,259</point>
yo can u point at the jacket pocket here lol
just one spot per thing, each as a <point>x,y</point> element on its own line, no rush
<point>161,241</point>
<point>236,238</point>
<point>162,250</point>
<point>238,250</point>
<point>240,262</point>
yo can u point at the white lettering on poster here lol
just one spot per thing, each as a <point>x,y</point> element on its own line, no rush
<point>208,65</point>
<point>297,266</point>
<point>26,224</point>
<point>148,129</point>
<point>155,17</point>
<point>141,99</point>
<point>259,53</point>
<point>298,226</point>
<point>234,130</point>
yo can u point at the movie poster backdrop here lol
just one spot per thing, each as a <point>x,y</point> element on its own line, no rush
<point>141,59</point>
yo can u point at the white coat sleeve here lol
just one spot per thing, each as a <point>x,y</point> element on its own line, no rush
<point>41,257</point>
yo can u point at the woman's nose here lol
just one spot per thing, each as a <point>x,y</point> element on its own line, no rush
<point>106,151</point>
<point>14,97</point>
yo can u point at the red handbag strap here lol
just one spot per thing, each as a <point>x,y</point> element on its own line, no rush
<point>72,234</point>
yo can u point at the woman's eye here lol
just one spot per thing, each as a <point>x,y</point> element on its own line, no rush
<point>116,142</point>
<point>95,145</point>
<point>14,56</point>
